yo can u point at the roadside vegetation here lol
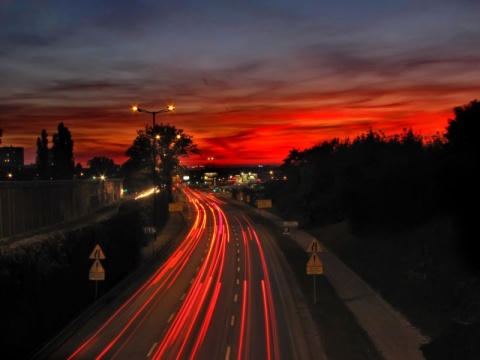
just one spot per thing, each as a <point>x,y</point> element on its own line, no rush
<point>408,202</point>
<point>45,278</point>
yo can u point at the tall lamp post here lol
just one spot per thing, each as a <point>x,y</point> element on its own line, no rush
<point>167,109</point>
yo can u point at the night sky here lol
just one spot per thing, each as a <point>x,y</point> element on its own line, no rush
<point>250,79</point>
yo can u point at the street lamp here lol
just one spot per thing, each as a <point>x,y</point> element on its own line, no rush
<point>212,159</point>
<point>154,155</point>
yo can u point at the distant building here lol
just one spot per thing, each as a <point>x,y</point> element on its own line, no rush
<point>246,178</point>
<point>211,179</point>
<point>11,157</point>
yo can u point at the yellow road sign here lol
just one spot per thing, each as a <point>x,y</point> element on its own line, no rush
<point>314,265</point>
<point>97,272</point>
<point>175,207</point>
<point>97,253</point>
<point>265,203</point>
<point>314,247</point>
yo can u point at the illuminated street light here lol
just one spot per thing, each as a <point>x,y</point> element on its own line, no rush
<point>212,159</point>
<point>154,155</point>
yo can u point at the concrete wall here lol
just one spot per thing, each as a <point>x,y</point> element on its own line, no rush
<point>29,205</point>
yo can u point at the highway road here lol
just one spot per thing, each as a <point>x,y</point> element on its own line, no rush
<point>222,294</point>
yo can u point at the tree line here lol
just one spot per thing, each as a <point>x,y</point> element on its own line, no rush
<point>55,162</point>
<point>163,146</point>
<point>383,182</point>
<point>385,188</point>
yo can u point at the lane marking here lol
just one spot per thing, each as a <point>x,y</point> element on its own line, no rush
<point>151,349</point>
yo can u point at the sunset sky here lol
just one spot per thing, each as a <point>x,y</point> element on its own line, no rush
<point>250,79</point>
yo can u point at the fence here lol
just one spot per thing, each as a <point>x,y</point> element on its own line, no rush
<point>30,205</point>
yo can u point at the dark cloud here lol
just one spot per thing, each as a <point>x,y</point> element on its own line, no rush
<point>250,79</point>
<point>79,85</point>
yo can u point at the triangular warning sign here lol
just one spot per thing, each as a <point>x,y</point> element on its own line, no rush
<point>97,267</point>
<point>314,261</point>
<point>314,247</point>
<point>97,253</point>
<point>97,272</point>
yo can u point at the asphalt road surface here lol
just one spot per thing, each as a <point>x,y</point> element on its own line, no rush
<point>393,335</point>
<point>222,294</point>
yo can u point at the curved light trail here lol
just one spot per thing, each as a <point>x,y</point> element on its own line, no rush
<point>227,311</point>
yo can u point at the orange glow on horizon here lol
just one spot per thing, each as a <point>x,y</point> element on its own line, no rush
<point>244,96</point>
<point>253,137</point>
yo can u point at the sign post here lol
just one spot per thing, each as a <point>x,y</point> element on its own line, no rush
<point>151,230</point>
<point>97,272</point>
<point>314,265</point>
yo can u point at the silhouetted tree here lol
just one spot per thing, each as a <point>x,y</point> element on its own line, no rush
<point>79,173</point>
<point>462,131</point>
<point>62,153</point>
<point>101,165</point>
<point>461,173</point>
<point>291,167</point>
<point>294,158</point>
<point>171,144</point>
<point>43,155</point>
<point>138,168</point>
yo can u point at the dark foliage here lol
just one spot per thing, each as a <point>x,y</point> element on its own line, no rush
<point>165,143</point>
<point>101,166</point>
<point>63,165</point>
<point>44,280</point>
<point>383,186</point>
<point>459,341</point>
<point>462,131</point>
<point>42,158</point>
